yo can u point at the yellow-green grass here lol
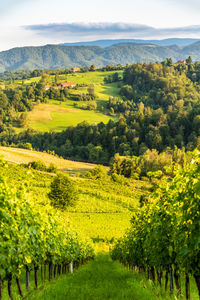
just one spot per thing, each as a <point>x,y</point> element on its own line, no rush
<point>102,228</point>
<point>103,209</point>
<point>103,91</point>
<point>105,279</point>
<point>88,78</point>
<point>58,115</point>
<point>19,156</point>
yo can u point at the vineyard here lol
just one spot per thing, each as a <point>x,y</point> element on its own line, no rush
<point>164,239</point>
<point>37,241</point>
<point>36,238</point>
<point>33,237</point>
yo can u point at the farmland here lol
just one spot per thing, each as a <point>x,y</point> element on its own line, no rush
<point>57,115</point>
<point>101,206</point>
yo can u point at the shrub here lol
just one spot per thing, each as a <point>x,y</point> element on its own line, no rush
<point>40,166</point>
<point>98,172</point>
<point>52,168</point>
<point>37,165</point>
<point>63,192</point>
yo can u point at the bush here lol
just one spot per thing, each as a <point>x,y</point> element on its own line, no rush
<point>63,192</point>
<point>119,179</point>
<point>52,168</point>
<point>40,166</point>
<point>98,172</point>
<point>37,165</point>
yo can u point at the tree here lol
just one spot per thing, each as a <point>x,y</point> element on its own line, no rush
<point>189,60</point>
<point>91,91</point>
<point>57,81</point>
<point>63,192</point>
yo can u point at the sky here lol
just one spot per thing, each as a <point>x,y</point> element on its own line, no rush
<point>40,22</point>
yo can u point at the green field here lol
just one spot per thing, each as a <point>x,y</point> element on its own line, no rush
<point>57,115</point>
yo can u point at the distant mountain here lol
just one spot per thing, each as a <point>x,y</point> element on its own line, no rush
<point>192,50</point>
<point>59,56</point>
<point>182,42</point>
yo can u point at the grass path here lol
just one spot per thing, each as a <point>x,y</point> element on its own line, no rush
<point>101,279</point>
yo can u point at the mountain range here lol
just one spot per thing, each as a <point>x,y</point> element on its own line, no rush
<point>182,42</point>
<point>68,56</point>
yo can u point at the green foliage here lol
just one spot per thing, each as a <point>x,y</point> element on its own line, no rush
<point>32,235</point>
<point>101,279</point>
<point>63,192</point>
<point>151,163</point>
<point>160,109</point>
<point>40,166</point>
<point>98,172</point>
<point>165,231</point>
<point>30,58</point>
<point>37,165</point>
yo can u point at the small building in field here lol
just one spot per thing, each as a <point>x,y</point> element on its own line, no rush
<point>57,87</point>
<point>76,69</point>
<point>47,87</point>
<point>67,85</point>
<point>180,62</point>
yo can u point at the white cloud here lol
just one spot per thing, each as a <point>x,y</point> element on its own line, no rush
<point>104,30</point>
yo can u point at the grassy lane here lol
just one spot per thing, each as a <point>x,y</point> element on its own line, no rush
<point>100,279</point>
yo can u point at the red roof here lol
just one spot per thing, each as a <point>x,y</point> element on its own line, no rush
<point>181,61</point>
<point>68,84</point>
<point>57,87</point>
<point>76,69</point>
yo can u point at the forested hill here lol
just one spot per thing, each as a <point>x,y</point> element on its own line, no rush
<point>58,56</point>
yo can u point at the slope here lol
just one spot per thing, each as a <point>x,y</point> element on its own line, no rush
<point>58,56</point>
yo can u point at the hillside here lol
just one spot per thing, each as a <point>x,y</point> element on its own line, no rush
<point>57,56</point>
<point>103,209</point>
<point>19,156</point>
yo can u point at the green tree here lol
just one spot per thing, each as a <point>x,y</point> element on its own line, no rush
<point>91,91</point>
<point>63,192</point>
<point>189,60</point>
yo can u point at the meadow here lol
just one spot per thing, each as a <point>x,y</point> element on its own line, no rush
<point>59,115</point>
<point>56,115</point>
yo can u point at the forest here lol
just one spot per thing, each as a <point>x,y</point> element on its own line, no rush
<point>158,109</point>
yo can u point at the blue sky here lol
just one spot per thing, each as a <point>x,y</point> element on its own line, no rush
<point>38,22</point>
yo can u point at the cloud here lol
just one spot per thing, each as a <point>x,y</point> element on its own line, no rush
<point>89,28</point>
<point>101,30</point>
